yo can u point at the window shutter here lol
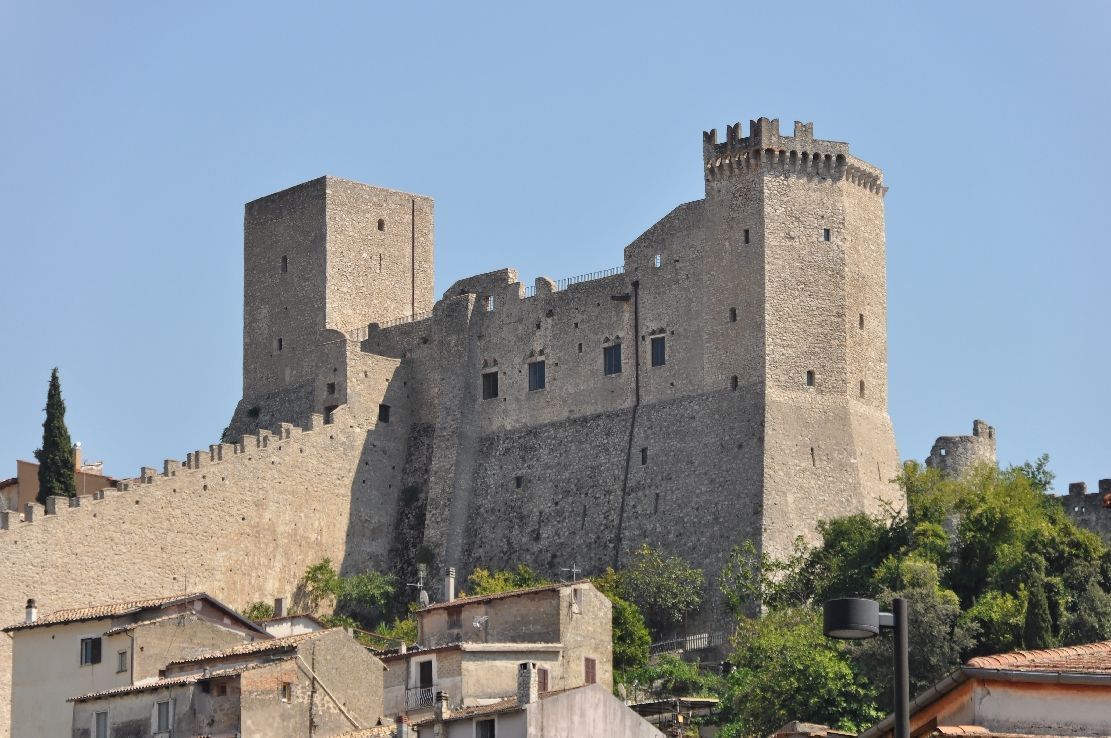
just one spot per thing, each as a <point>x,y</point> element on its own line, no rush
<point>96,652</point>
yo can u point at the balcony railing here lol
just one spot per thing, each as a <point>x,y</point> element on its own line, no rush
<point>417,697</point>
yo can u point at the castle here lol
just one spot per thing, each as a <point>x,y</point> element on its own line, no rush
<point>727,382</point>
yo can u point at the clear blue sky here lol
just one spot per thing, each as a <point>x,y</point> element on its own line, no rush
<point>550,136</point>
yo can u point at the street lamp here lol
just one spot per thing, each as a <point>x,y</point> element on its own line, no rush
<point>854,619</point>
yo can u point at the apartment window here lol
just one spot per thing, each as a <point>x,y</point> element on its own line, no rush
<point>455,618</point>
<point>590,667</point>
<point>810,378</point>
<point>489,385</point>
<point>121,662</point>
<point>331,388</point>
<point>383,413</point>
<point>287,691</point>
<point>748,238</point>
<point>826,235</point>
<point>162,717</point>
<point>542,680</point>
<point>484,729</point>
<point>100,725</point>
<point>659,352</point>
<point>536,376</point>
<point>611,359</point>
<point>90,651</point>
<point>285,264</point>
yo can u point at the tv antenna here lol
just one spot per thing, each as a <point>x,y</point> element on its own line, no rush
<point>574,570</point>
<point>422,594</point>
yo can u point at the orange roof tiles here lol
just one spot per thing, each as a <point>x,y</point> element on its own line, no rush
<point>96,612</point>
<point>501,595</point>
<point>260,646</point>
<point>1090,658</point>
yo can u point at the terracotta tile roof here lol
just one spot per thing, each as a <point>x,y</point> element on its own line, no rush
<point>378,731</point>
<point>139,623</point>
<point>97,612</point>
<point>501,595</point>
<point>960,730</point>
<point>506,705</point>
<point>421,652</point>
<point>169,682</point>
<point>1090,658</point>
<point>9,482</point>
<point>260,646</point>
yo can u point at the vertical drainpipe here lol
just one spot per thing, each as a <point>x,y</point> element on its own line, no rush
<point>632,423</point>
<point>413,256</point>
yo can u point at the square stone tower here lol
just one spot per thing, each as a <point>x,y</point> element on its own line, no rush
<point>328,255</point>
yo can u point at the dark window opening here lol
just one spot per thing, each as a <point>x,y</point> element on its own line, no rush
<point>611,359</point>
<point>590,666</point>
<point>659,351</point>
<point>810,378</point>
<point>285,264</point>
<point>331,388</point>
<point>455,618</point>
<point>90,651</point>
<point>732,315</point>
<point>542,680</point>
<point>862,321</point>
<point>329,414</point>
<point>518,481</point>
<point>580,348</point>
<point>489,385</point>
<point>826,235</point>
<point>644,456</point>
<point>748,238</point>
<point>813,458</point>
<point>287,692</point>
<point>862,388</point>
<point>278,344</point>
<point>656,504</point>
<point>121,662</point>
<point>381,224</point>
<point>536,376</point>
<point>484,729</point>
<point>383,413</point>
<point>733,383</point>
<point>425,675</point>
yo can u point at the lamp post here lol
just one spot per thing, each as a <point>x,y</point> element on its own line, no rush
<point>854,619</point>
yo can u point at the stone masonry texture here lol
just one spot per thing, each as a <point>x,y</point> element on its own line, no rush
<point>362,398</point>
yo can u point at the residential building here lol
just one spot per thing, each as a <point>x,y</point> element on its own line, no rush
<point>321,684</point>
<point>586,710</point>
<point>469,648</point>
<point>22,489</point>
<point>109,647</point>
<point>1056,691</point>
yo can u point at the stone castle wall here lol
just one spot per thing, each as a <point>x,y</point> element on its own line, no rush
<point>1090,510</point>
<point>954,455</point>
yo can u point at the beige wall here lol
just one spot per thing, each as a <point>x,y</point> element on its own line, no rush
<point>1024,708</point>
<point>27,484</point>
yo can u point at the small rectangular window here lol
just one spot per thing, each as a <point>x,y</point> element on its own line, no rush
<point>580,348</point>
<point>278,344</point>
<point>658,261</point>
<point>536,376</point>
<point>121,662</point>
<point>542,680</point>
<point>611,359</point>
<point>383,413</point>
<point>862,388</point>
<point>810,378</point>
<point>484,729</point>
<point>518,481</point>
<point>732,315</point>
<point>285,264</point>
<point>489,385</point>
<point>163,718</point>
<point>90,651</point>
<point>748,238</point>
<point>826,235</point>
<point>862,321</point>
<point>590,666</point>
<point>455,618</point>
<point>100,729</point>
<point>287,691</point>
<point>659,353</point>
<point>644,456</point>
<point>489,303</point>
<point>220,690</point>
<point>331,388</point>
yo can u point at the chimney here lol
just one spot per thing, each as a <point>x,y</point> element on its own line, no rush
<point>528,683</point>
<point>402,726</point>
<point>443,712</point>
<point>32,612</point>
<point>77,456</point>
<point>449,584</point>
<point>279,607</point>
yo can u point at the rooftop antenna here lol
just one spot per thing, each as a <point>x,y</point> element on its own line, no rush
<point>574,570</point>
<point>422,594</point>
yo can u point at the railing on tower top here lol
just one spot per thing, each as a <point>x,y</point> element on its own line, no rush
<point>562,284</point>
<point>695,642</point>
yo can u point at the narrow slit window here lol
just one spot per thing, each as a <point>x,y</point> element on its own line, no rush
<point>861,321</point>
<point>810,378</point>
<point>381,224</point>
<point>659,351</point>
<point>580,348</point>
<point>278,344</point>
<point>658,261</point>
<point>489,385</point>
<point>536,378</point>
<point>518,481</point>
<point>826,235</point>
<point>732,315</point>
<point>285,264</point>
<point>489,303</point>
<point>748,237</point>
<point>862,388</point>
<point>733,383</point>
<point>644,456</point>
<point>611,359</point>
<point>656,504</point>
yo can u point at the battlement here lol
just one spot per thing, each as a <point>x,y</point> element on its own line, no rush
<point>955,455</point>
<point>765,149</point>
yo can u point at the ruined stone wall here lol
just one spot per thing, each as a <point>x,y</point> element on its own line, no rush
<point>955,455</point>
<point>1090,510</point>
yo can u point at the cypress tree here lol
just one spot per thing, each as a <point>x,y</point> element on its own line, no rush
<point>56,474</point>
<point>1037,630</point>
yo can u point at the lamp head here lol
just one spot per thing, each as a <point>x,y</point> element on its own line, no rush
<point>851,618</point>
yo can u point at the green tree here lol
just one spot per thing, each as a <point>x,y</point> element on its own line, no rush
<point>484,582</point>
<point>56,462</point>
<point>1090,620</point>
<point>670,676</point>
<point>356,600</point>
<point>631,639</point>
<point>665,588</point>
<point>1037,628</point>
<point>258,611</point>
<point>998,617</point>
<point>786,669</point>
<point>1041,478</point>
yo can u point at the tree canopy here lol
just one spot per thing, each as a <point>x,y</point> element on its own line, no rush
<point>56,462</point>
